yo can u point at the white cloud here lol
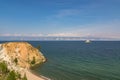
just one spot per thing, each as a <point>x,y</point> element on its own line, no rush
<point>63,34</point>
<point>97,30</point>
<point>67,12</point>
<point>7,34</point>
<point>69,34</point>
<point>17,35</point>
<point>102,30</point>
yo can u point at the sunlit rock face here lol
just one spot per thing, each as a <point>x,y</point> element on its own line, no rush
<point>20,55</point>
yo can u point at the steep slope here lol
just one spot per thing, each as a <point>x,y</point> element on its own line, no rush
<point>20,55</point>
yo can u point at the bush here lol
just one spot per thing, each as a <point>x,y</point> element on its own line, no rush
<point>16,61</point>
<point>18,75</point>
<point>5,74</point>
<point>11,76</point>
<point>33,61</point>
<point>24,78</point>
<point>3,68</point>
<point>38,47</point>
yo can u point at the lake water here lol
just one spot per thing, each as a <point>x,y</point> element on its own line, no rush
<point>76,60</point>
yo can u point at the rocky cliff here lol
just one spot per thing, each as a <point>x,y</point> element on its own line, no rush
<point>20,55</point>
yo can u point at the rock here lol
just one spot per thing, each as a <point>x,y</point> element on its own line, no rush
<point>20,55</point>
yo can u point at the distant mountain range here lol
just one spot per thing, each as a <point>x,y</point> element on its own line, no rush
<point>24,38</point>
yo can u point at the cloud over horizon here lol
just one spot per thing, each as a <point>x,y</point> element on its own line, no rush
<point>70,18</point>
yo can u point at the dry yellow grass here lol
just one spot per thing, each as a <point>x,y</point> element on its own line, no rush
<point>24,52</point>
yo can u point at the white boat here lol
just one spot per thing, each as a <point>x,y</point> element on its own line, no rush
<point>87,41</point>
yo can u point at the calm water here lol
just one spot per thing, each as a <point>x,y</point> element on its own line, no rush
<point>75,60</point>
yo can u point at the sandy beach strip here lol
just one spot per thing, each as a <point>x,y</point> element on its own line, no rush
<point>31,76</point>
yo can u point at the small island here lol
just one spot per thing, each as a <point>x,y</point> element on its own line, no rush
<point>16,59</point>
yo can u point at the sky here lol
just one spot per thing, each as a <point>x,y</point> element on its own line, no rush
<point>62,18</point>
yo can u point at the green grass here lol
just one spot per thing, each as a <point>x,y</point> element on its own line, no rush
<point>6,74</point>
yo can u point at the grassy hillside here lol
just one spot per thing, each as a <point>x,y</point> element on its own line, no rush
<point>6,74</point>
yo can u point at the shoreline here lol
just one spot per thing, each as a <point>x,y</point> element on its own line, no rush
<point>33,76</point>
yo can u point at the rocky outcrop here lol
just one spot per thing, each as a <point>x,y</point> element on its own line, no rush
<point>20,55</point>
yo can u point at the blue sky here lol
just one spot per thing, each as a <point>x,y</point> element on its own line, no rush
<point>73,18</point>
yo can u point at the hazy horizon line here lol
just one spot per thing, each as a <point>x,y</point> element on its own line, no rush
<point>56,38</point>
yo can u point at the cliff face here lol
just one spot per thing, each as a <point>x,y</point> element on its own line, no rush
<point>20,55</point>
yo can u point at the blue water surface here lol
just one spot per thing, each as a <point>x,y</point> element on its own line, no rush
<point>76,60</point>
